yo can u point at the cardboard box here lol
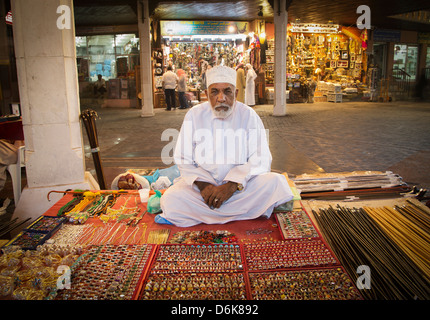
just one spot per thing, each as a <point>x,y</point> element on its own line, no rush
<point>334,97</point>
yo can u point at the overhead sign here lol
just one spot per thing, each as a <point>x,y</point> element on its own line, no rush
<point>385,35</point>
<point>314,28</point>
<point>8,18</point>
<point>424,38</point>
<point>190,28</point>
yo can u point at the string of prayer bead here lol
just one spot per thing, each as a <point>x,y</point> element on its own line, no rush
<point>158,236</point>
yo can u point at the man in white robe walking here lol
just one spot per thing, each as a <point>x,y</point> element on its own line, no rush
<point>224,159</point>
<point>250,85</point>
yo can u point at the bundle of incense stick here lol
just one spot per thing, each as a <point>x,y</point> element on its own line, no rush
<point>346,181</point>
<point>357,239</point>
<point>412,238</point>
<point>158,236</point>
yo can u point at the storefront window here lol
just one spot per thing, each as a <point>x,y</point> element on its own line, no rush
<point>102,56</point>
<point>428,57</point>
<point>112,56</point>
<point>406,59</point>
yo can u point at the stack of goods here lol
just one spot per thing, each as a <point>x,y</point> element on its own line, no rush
<point>392,242</point>
<point>107,272</point>
<point>334,93</point>
<point>341,185</point>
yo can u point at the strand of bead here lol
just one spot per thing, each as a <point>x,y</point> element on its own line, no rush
<point>69,234</point>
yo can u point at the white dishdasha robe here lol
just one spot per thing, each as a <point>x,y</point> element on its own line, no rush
<point>217,150</point>
<point>250,87</point>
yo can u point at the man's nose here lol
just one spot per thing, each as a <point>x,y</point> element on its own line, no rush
<point>221,97</point>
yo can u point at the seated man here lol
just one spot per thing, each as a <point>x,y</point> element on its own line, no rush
<point>224,159</point>
<point>100,86</point>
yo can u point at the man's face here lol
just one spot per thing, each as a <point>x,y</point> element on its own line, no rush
<point>222,97</point>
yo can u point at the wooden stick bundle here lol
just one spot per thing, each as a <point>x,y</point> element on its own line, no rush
<point>357,239</point>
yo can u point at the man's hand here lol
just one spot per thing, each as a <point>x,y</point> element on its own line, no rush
<point>215,196</point>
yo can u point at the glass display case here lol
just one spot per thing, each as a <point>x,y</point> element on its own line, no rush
<point>428,57</point>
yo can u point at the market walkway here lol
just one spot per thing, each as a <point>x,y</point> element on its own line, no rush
<point>320,137</point>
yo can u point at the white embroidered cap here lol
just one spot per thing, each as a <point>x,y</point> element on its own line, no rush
<point>220,74</point>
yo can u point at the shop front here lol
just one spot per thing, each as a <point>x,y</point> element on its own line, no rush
<point>195,46</point>
<point>325,62</point>
<point>115,59</point>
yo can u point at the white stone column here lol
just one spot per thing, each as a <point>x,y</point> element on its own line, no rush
<point>143,23</point>
<point>280,19</point>
<point>49,96</point>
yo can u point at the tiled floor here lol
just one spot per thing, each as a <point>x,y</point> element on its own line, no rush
<point>319,137</point>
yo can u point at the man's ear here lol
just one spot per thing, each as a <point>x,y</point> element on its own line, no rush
<point>237,91</point>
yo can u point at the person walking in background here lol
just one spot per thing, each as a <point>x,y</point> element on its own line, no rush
<point>182,88</point>
<point>240,83</point>
<point>170,80</point>
<point>312,87</point>
<point>204,65</point>
<point>250,86</point>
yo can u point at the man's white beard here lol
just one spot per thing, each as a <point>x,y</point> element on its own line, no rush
<point>222,114</point>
